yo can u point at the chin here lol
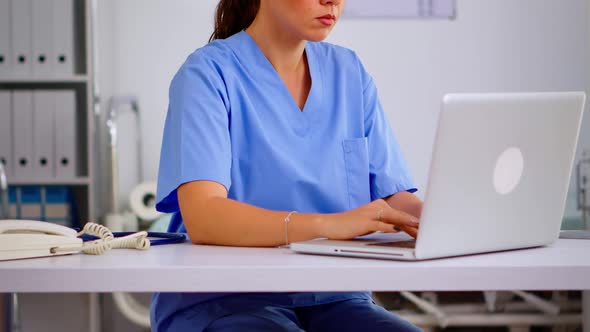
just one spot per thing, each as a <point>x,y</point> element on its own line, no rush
<point>318,36</point>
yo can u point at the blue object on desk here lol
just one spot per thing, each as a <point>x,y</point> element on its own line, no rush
<point>162,238</point>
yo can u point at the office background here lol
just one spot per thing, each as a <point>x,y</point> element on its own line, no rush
<point>492,45</point>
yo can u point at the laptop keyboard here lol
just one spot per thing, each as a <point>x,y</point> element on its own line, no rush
<point>396,244</point>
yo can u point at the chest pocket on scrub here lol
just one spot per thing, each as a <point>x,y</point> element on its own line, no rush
<point>356,160</point>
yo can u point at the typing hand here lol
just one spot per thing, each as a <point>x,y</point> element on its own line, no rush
<point>369,218</point>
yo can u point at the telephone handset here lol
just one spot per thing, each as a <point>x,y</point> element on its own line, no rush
<point>32,226</point>
<point>31,238</point>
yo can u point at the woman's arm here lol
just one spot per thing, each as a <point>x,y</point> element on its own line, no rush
<point>211,218</point>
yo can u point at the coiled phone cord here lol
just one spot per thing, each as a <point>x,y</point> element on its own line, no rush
<point>108,241</point>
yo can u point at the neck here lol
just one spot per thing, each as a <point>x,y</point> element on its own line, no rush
<point>283,50</point>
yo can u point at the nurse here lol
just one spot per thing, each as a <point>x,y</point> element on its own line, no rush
<point>273,136</point>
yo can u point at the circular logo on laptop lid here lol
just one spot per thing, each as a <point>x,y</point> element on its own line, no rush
<point>508,170</point>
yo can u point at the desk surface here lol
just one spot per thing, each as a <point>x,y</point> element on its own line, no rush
<point>564,265</point>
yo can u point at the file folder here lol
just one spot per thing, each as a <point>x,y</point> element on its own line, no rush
<point>43,127</point>
<point>13,202</point>
<point>63,36</point>
<point>5,38</point>
<point>6,131</point>
<point>22,143</point>
<point>21,37</point>
<point>30,202</point>
<point>57,205</point>
<point>42,37</point>
<point>65,134</point>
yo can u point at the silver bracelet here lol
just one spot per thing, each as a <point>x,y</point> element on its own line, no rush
<point>287,220</point>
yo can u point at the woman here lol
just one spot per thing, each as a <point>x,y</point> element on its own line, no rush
<point>271,137</point>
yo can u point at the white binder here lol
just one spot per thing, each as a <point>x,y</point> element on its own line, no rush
<point>21,37</point>
<point>6,132</point>
<point>43,128</point>
<point>5,38</point>
<point>65,135</point>
<point>63,36</point>
<point>42,33</point>
<point>22,119</point>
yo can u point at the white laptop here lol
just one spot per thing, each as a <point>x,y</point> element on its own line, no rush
<point>498,179</point>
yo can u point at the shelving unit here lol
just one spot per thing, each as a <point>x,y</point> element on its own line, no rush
<point>81,82</point>
<point>42,80</point>
<point>36,312</point>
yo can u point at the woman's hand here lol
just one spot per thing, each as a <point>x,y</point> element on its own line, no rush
<point>369,218</point>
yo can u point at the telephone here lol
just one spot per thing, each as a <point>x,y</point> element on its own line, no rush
<point>29,238</point>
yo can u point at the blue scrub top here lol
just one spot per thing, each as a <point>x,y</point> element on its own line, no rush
<point>232,120</point>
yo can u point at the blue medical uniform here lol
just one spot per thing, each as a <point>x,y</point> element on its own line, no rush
<point>232,120</point>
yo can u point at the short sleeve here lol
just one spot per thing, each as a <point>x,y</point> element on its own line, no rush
<point>196,140</point>
<point>388,171</point>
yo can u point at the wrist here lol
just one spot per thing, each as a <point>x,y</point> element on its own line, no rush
<point>321,224</point>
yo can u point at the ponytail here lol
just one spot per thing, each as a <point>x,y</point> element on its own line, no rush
<point>233,16</point>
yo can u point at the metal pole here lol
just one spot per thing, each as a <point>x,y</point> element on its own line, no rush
<point>15,322</point>
<point>94,308</point>
<point>586,310</point>
<point>5,207</point>
<point>114,157</point>
<point>112,117</point>
<point>94,313</point>
<point>583,170</point>
<point>583,181</point>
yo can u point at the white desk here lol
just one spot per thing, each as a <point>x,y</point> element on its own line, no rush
<point>564,265</point>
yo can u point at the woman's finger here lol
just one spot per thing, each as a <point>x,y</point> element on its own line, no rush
<point>412,231</point>
<point>399,218</point>
<point>383,227</point>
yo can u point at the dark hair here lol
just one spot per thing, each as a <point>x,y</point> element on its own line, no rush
<point>233,16</point>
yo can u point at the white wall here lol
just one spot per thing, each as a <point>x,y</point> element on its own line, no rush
<point>141,45</point>
<point>493,45</point>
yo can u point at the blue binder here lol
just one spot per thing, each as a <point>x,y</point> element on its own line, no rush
<point>30,202</point>
<point>13,202</point>
<point>57,205</point>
